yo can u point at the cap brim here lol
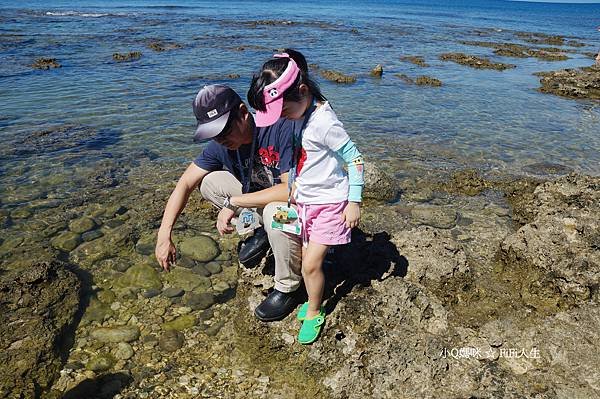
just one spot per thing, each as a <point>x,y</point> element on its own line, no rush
<point>207,131</point>
<point>271,115</point>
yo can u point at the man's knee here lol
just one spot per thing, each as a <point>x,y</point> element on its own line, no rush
<point>219,184</point>
<point>207,187</point>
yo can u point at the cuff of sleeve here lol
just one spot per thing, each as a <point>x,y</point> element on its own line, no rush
<point>355,193</point>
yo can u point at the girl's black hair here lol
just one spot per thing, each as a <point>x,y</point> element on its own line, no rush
<point>271,70</point>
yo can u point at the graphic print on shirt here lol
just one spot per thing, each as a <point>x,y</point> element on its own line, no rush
<point>301,160</point>
<point>269,157</point>
<point>262,176</point>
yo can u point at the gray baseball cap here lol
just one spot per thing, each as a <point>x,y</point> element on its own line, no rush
<point>211,107</point>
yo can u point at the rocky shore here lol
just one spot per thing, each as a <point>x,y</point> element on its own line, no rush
<point>469,286</point>
<point>457,283</point>
<point>572,83</point>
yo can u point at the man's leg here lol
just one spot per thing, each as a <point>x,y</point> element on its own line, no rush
<point>216,186</point>
<point>287,251</point>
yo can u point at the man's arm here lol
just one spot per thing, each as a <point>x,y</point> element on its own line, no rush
<point>165,250</point>
<point>260,199</point>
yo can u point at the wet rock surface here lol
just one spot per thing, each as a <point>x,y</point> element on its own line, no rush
<point>377,71</point>
<point>161,45</point>
<point>378,184</point>
<point>428,81</point>
<point>39,309</point>
<point>522,51</point>
<point>46,63</point>
<point>543,38</point>
<point>415,59</point>
<point>337,77</point>
<point>572,83</point>
<point>475,62</point>
<point>438,264</point>
<point>130,56</point>
<point>57,138</point>
<point>560,245</point>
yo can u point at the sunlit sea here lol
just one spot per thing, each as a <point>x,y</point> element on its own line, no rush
<point>93,111</point>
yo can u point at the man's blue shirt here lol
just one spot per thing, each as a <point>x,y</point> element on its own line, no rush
<point>272,158</point>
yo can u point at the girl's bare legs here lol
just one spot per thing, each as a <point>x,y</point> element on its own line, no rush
<point>314,279</point>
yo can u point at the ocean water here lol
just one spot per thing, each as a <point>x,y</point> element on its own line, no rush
<point>106,110</point>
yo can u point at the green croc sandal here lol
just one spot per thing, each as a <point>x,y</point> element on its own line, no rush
<point>311,328</point>
<point>302,311</point>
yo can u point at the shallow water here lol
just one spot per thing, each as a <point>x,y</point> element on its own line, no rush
<point>487,119</point>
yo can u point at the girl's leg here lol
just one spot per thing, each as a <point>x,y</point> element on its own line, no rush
<point>314,279</point>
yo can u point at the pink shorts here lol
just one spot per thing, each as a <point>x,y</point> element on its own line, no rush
<point>323,224</point>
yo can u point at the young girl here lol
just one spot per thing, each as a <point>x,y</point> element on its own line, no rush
<point>327,197</point>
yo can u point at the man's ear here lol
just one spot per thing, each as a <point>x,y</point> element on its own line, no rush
<point>244,111</point>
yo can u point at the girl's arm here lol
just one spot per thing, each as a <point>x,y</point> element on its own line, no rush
<point>278,192</point>
<point>356,170</point>
<point>354,161</point>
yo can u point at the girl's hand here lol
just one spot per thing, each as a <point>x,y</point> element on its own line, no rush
<point>351,214</point>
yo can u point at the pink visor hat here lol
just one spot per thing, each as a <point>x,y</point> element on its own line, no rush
<point>273,93</point>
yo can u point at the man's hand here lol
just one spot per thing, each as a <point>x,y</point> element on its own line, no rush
<point>223,220</point>
<point>165,251</point>
<point>351,214</point>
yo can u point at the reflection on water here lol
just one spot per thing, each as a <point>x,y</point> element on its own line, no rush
<point>478,118</point>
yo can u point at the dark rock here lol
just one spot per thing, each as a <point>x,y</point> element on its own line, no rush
<point>428,81</point>
<point>378,185</point>
<point>96,311</point>
<point>121,265</point>
<point>67,241</point>
<point>377,71</point>
<point>82,225</point>
<point>201,270</point>
<point>45,63</point>
<point>146,245</point>
<point>38,312</point>
<point>171,340</point>
<point>131,56</point>
<point>337,77</point>
<point>521,51</point>
<point>475,62</point>
<point>172,292</point>
<point>160,46</point>
<point>404,78</point>
<point>214,267</point>
<point>206,315</point>
<point>91,235</point>
<point>186,262</point>
<point>100,363</point>
<point>215,328</point>
<point>415,59</point>
<point>198,301</point>
<point>115,210</point>
<point>114,223</point>
<point>541,38</point>
<point>151,293</point>
<point>58,138</point>
<point>547,169</point>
